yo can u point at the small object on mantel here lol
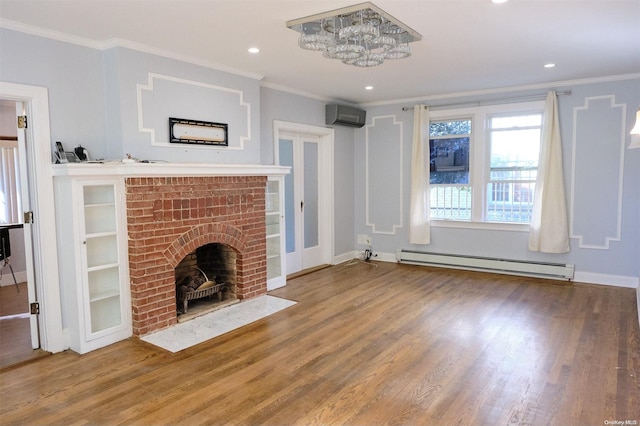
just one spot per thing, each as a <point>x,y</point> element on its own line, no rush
<point>129,159</point>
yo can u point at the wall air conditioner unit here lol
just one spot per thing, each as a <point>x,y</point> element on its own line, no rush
<point>344,115</point>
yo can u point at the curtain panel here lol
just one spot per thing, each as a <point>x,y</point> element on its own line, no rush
<point>419,222</point>
<point>549,229</point>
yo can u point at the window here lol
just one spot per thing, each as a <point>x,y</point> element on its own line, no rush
<point>9,186</point>
<point>484,163</point>
<point>514,145</point>
<point>449,169</point>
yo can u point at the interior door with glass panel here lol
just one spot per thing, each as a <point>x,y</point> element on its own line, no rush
<point>304,240</point>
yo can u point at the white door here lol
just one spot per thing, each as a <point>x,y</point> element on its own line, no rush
<point>306,228</point>
<point>25,176</point>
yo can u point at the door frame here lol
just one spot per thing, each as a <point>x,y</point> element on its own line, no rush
<point>45,255</point>
<point>325,186</point>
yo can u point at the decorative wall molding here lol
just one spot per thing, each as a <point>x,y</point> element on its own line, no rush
<point>377,171</point>
<point>237,137</point>
<point>598,194</point>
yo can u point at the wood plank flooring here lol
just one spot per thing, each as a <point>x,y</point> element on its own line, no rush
<point>364,345</point>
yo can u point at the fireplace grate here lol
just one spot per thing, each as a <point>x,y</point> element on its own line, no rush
<point>185,296</point>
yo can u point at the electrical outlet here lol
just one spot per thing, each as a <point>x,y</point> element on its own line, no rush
<point>364,239</point>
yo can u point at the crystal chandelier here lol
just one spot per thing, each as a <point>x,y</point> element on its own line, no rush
<point>362,35</point>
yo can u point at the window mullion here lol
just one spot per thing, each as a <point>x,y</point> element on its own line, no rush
<point>479,172</point>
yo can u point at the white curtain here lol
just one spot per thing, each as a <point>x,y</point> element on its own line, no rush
<point>419,223</point>
<point>9,200</point>
<point>549,229</point>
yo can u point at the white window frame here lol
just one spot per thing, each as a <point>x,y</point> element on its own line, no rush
<point>11,179</point>
<point>479,160</point>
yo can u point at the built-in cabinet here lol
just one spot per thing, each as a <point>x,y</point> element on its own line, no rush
<point>276,271</point>
<point>93,261</point>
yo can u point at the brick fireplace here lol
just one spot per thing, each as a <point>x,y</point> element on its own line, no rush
<point>170,217</point>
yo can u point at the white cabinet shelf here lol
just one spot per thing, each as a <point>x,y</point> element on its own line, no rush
<point>94,262</point>
<point>274,220</point>
<point>104,295</point>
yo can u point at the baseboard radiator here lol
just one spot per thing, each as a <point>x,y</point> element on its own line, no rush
<point>555,271</point>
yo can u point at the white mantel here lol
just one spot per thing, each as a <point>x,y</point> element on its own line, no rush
<point>135,169</point>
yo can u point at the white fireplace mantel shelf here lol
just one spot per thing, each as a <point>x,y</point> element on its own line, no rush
<point>135,169</point>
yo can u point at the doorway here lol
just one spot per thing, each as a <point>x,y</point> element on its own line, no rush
<point>18,327</point>
<point>308,194</point>
<point>35,100</point>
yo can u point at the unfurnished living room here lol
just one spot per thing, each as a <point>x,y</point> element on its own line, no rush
<point>270,212</point>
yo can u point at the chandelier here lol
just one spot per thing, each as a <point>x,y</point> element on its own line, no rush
<point>362,35</point>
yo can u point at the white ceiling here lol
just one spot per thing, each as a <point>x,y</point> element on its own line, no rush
<point>467,45</point>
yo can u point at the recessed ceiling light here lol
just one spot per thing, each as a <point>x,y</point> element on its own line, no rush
<point>254,50</point>
<point>499,1</point>
<point>368,87</point>
<point>549,65</point>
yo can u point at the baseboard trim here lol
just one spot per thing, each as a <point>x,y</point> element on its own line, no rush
<point>7,278</point>
<point>638,302</point>
<point>345,257</point>
<point>581,277</point>
<point>606,279</point>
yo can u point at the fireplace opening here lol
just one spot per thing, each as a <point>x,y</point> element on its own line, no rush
<point>206,280</point>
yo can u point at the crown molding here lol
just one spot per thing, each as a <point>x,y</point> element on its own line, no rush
<point>122,43</point>
<point>281,88</point>
<point>50,34</point>
<point>510,89</point>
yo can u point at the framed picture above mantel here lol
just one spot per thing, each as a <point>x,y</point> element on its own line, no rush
<point>195,132</point>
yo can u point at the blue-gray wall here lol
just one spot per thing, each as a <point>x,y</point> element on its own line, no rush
<point>279,105</point>
<point>117,101</point>
<point>605,216</point>
<point>74,77</point>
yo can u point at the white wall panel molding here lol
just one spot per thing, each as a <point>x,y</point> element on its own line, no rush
<point>383,174</point>
<point>596,192</point>
<point>166,96</point>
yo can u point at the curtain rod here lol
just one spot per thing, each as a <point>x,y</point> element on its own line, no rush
<point>491,101</point>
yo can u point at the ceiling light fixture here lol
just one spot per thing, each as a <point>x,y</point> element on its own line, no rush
<point>368,87</point>
<point>549,65</point>
<point>362,35</point>
<point>253,50</point>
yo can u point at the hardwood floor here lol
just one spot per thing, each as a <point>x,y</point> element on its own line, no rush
<point>393,344</point>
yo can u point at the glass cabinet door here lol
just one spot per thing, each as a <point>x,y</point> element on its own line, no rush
<point>102,258</point>
<point>274,231</point>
